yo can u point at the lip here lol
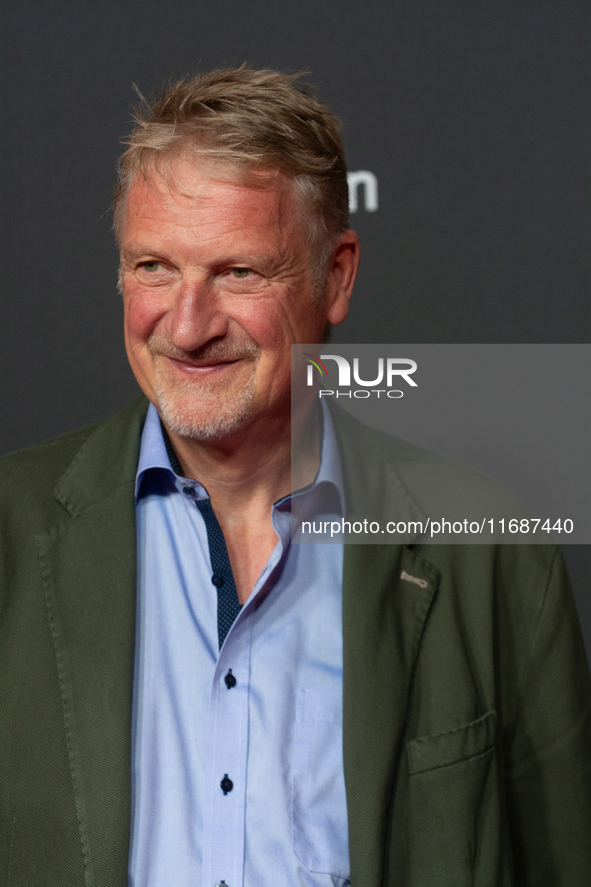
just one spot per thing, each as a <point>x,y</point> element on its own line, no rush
<point>199,370</point>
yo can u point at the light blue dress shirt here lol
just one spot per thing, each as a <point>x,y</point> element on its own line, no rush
<point>237,765</point>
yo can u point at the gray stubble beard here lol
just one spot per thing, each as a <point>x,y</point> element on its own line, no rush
<point>235,409</point>
<point>234,404</point>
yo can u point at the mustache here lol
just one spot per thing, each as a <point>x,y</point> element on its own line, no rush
<point>224,349</point>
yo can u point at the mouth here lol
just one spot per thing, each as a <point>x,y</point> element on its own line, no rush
<point>201,368</point>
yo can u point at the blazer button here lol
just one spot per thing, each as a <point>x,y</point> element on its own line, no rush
<point>226,784</point>
<point>218,580</point>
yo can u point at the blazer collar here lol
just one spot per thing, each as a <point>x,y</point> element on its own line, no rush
<point>106,461</point>
<point>373,487</point>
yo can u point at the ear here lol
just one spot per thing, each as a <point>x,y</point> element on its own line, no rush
<point>341,277</point>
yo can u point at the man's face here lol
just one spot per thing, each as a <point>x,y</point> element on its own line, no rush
<point>217,286</point>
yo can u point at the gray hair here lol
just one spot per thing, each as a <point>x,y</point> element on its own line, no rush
<point>255,122</point>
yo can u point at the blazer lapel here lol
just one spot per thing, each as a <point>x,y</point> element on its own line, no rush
<point>387,594</point>
<point>88,564</point>
<point>383,620</point>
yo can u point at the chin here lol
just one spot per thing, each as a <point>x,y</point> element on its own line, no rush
<point>206,418</point>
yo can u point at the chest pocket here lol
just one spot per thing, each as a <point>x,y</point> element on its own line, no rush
<point>319,803</point>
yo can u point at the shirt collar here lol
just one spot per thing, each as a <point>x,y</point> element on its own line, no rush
<point>152,448</point>
<point>153,454</point>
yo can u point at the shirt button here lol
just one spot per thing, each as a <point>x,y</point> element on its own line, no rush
<point>226,784</point>
<point>221,884</point>
<point>230,680</point>
<point>190,492</point>
<point>218,580</point>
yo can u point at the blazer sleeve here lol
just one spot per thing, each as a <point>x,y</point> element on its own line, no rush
<point>548,752</point>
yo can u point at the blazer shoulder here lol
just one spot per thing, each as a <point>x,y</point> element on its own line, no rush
<point>439,486</point>
<point>32,474</point>
<point>40,466</point>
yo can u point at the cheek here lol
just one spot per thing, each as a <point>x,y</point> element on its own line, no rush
<point>273,329</point>
<point>259,320</point>
<point>142,312</point>
<point>279,319</point>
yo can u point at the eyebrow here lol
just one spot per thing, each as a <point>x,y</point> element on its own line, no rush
<point>247,259</point>
<point>135,252</point>
<point>236,259</point>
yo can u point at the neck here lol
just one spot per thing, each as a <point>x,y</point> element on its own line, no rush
<point>244,475</point>
<point>255,464</point>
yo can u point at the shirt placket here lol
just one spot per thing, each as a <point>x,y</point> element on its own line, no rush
<point>223,833</point>
<point>223,845</point>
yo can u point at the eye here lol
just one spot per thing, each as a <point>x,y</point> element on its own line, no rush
<point>240,273</point>
<point>150,267</point>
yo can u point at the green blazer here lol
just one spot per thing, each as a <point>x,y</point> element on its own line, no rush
<point>467,699</point>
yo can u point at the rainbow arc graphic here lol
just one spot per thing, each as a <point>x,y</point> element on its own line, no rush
<point>314,361</point>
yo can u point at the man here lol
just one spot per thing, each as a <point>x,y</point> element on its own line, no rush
<point>187,697</point>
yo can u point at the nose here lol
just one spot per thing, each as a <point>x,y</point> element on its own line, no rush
<point>196,316</point>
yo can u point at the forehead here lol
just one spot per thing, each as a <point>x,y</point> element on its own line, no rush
<point>187,194</point>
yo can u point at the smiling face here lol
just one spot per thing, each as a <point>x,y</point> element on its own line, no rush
<point>217,286</point>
